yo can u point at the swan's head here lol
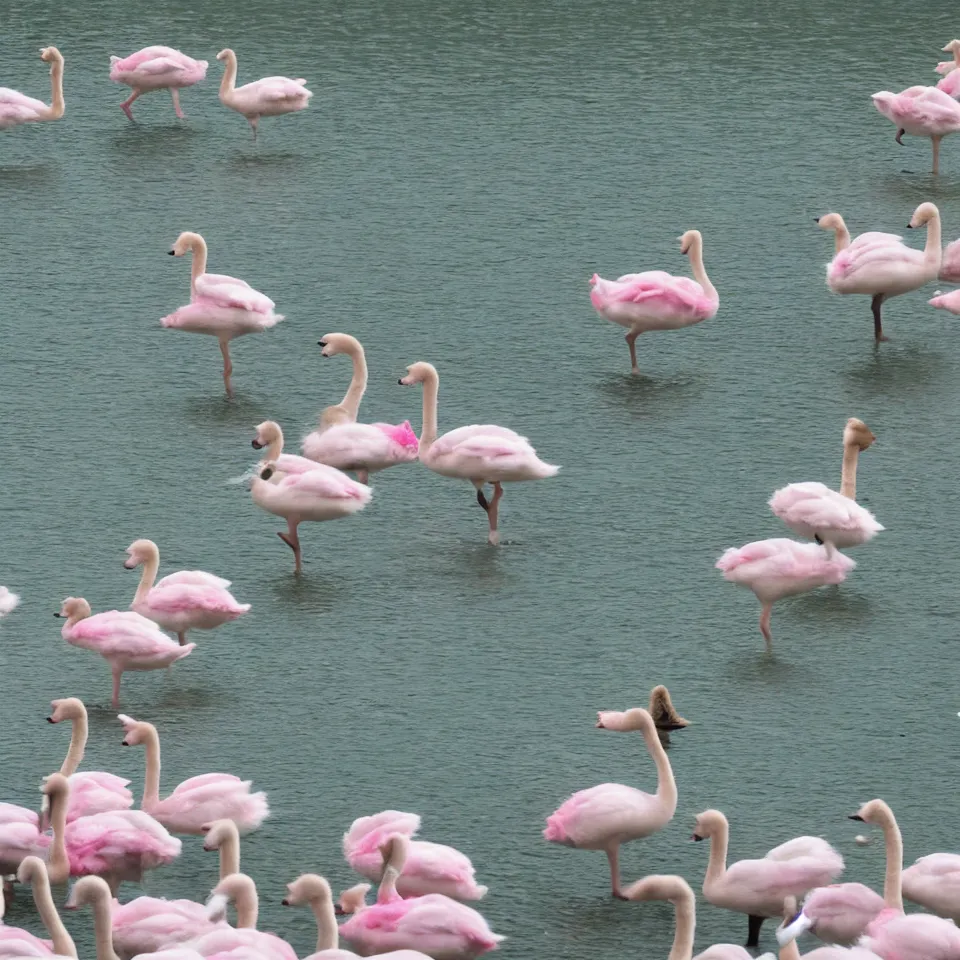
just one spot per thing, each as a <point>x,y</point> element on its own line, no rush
<point>268,470</point>
<point>69,709</point>
<point>226,54</point>
<point>140,551</point>
<point>708,824</point>
<point>830,221</point>
<point>952,46</point>
<point>216,833</point>
<point>664,714</point>
<point>875,811</point>
<point>74,607</point>
<point>690,239</point>
<point>857,433</point>
<point>308,888</point>
<point>267,432</point>
<point>923,215</point>
<point>134,731</point>
<point>186,242</point>
<point>30,867</point>
<point>51,55</point>
<point>417,373</point>
<point>87,890</point>
<point>634,719</point>
<point>334,343</point>
<point>352,900</point>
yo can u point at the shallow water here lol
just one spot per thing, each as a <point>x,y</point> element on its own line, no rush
<point>460,174</point>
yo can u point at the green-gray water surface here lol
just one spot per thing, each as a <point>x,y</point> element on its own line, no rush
<point>461,172</point>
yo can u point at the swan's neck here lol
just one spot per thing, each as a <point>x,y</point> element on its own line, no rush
<point>790,951</point>
<point>431,390</point>
<point>229,856</point>
<point>78,742</point>
<point>62,941</point>
<point>275,446</point>
<point>841,237</point>
<point>666,785</point>
<point>717,866</point>
<point>387,891</point>
<point>848,474</point>
<point>358,385</point>
<point>151,783</point>
<point>150,566</point>
<point>892,883</point>
<point>199,266</point>
<point>57,106</point>
<point>102,929</point>
<point>699,274</point>
<point>229,80</point>
<point>58,864</point>
<point>686,921</point>
<point>932,252</point>
<point>328,933</point>
<point>248,906</point>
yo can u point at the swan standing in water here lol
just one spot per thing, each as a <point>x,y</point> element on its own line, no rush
<point>922,112</point>
<point>220,306</point>
<point>481,454</point>
<point>611,814</point>
<point>181,601</point>
<point>18,943</point>
<point>156,68</point>
<point>656,300</point>
<point>880,265</point>
<point>815,511</point>
<point>17,108</point>
<point>269,97</point>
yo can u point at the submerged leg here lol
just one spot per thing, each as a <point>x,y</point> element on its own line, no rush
<point>253,121</point>
<point>753,933</point>
<point>227,366</point>
<point>899,135</point>
<point>291,539</point>
<point>117,674</point>
<point>175,94</point>
<point>765,612</point>
<point>875,304</point>
<point>631,339</point>
<point>481,499</point>
<point>936,153</point>
<point>182,637</point>
<point>492,511</point>
<point>125,106</point>
<point>363,476</point>
<point>613,856</point>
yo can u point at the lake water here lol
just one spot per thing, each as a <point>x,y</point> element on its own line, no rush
<point>461,172</point>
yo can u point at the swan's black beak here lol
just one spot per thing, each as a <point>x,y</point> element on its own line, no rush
<point>58,615</point>
<point>256,444</point>
<point>172,253</point>
<point>696,837</point>
<point>51,720</point>
<point>285,902</point>
<point>816,219</point>
<point>338,910</point>
<point>856,816</point>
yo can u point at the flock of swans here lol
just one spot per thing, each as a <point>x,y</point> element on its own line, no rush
<point>86,827</point>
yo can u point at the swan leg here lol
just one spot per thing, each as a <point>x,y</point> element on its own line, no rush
<point>175,94</point>
<point>117,674</point>
<point>936,153</point>
<point>613,857</point>
<point>292,540</point>
<point>125,106</point>
<point>899,136</point>
<point>481,498</point>
<point>753,930</point>
<point>8,894</point>
<point>492,512</point>
<point>182,637</point>
<point>875,304</point>
<point>765,612</point>
<point>363,476</point>
<point>227,366</point>
<point>631,339</point>
<point>817,537</point>
<point>253,121</point>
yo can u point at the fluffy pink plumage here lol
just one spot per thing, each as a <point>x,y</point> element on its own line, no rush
<point>934,883</point>
<point>433,924</point>
<point>147,924</point>
<point>875,262</point>
<point>894,936</point>
<point>362,446</point>
<point>323,493</point>
<point>157,68</point>
<point>429,867</point>
<point>655,300</point>
<point>97,792</point>
<point>20,837</point>
<point>947,301</point>
<point>17,108</point>
<point>124,843</point>
<point>812,509</point>
<point>226,942</point>
<point>487,452</point>
<point>780,568</point>
<point>921,111</point>
<point>950,262</point>
<point>838,912</point>
<point>212,796</point>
